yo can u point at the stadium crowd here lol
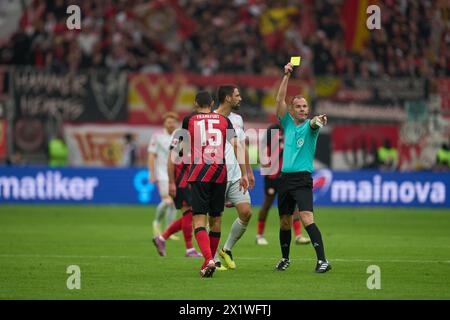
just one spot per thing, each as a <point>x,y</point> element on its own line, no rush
<point>236,36</point>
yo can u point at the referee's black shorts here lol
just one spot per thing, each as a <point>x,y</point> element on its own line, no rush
<point>208,198</point>
<point>295,189</point>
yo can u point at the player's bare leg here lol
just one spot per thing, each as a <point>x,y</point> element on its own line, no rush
<point>307,218</point>
<point>262,216</point>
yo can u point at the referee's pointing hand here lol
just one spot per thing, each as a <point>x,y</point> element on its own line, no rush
<point>323,119</point>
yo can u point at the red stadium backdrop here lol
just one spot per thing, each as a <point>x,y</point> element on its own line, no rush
<point>354,146</point>
<point>354,17</point>
<point>151,95</point>
<point>102,145</point>
<point>443,89</point>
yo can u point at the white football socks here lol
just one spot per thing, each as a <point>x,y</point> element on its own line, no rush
<point>160,211</point>
<point>237,230</point>
<point>171,214</point>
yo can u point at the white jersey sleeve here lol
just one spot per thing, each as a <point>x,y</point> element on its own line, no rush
<point>152,146</point>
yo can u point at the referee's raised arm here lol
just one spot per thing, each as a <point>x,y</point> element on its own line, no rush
<point>281,96</point>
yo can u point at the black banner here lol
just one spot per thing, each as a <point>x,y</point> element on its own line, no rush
<point>77,97</point>
<point>227,309</point>
<point>43,100</point>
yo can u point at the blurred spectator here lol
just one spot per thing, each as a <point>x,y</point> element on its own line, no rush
<point>237,36</point>
<point>57,151</point>
<point>443,158</point>
<point>15,159</point>
<point>371,158</point>
<point>387,156</point>
<point>129,151</point>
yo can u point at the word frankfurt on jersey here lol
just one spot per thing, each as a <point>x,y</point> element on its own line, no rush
<point>268,151</point>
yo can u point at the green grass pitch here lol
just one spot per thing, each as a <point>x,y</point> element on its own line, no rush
<point>113,248</point>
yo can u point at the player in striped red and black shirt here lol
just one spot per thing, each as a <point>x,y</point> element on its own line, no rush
<point>207,176</point>
<point>179,190</point>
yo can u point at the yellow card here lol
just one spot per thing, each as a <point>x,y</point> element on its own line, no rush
<point>296,61</point>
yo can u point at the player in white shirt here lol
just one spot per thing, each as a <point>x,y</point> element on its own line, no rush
<point>158,153</point>
<point>230,99</point>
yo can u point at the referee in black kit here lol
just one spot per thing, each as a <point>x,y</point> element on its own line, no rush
<point>300,138</point>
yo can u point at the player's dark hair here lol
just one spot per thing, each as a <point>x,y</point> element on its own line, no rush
<point>224,91</point>
<point>203,99</point>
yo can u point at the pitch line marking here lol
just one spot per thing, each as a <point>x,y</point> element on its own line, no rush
<point>241,258</point>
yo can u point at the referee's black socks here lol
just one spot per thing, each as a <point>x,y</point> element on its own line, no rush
<point>285,242</point>
<point>316,240</point>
